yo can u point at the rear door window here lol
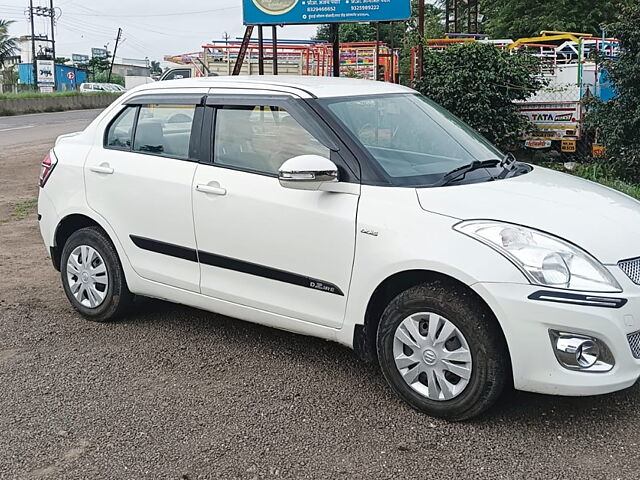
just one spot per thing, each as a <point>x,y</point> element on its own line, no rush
<point>164,130</point>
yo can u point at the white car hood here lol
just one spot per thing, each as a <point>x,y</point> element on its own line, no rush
<point>602,221</point>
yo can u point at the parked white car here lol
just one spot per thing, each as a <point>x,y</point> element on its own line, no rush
<point>92,87</point>
<point>101,87</point>
<point>358,212</point>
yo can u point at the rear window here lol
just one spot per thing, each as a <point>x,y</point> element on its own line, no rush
<point>163,130</point>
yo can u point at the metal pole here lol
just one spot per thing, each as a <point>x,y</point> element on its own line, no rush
<point>335,41</point>
<point>115,49</point>
<point>274,39</point>
<point>421,33</point>
<point>33,47</point>
<point>260,50</point>
<point>377,51</point>
<point>393,72</point>
<point>53,42</point>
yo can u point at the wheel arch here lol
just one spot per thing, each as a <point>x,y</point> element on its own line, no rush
<point>364,335</point>
<point>65,228</point>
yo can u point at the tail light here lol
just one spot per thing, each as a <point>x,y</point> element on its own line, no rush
<point>48,164</point>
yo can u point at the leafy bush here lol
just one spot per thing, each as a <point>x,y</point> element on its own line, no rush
<point>479,83</point>
<point>618,120</point>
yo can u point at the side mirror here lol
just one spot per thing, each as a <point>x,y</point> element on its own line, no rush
<point>308,172</point>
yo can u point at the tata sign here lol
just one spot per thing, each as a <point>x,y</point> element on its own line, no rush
<point>278,12</point>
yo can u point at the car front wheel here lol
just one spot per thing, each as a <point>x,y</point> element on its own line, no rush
<point>442,351</point>
<point>92,276</point>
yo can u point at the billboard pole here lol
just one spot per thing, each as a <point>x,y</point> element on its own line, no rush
<point>260,50</point>
<point>335,41</point>
<point>274,39</point>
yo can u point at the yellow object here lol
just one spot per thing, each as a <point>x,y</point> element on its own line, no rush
<point>556,32</point>
<point>550,35</point>
<point>568,146</point>
<point>597,150</point>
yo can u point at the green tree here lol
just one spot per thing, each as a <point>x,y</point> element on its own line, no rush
<point>103,77</point>
<point>97,66</point>
<point>8,44</point>
<point>520,18</point>
<point>62,60</point>
<point>155,67</point>
<point>479,83</point>
<point>618,120</point>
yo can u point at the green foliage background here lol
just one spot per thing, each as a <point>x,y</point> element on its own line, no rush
<point>519,18</point>
<point>479,83</point>
<point>617,121</point>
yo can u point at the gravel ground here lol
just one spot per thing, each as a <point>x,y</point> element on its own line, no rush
<point>176,393</point>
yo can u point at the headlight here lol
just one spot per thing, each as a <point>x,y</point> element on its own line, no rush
<point>544,259</point>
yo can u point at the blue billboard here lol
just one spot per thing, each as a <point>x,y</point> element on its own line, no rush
<point>278,12</point>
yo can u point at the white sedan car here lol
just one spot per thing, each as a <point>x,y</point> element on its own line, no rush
<point>358,212</point>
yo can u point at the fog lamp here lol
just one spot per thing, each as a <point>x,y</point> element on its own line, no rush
<point>581,352</point>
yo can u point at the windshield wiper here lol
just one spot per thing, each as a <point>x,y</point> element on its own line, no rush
<point>462,171</point>
<point>507,164</point>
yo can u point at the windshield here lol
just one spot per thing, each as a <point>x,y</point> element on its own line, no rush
<point>414,140</point>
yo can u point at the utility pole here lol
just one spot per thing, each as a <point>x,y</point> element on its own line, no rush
<point>33,47</point>
<point>43,12</point>
<point>115,49</point>
<point>53,42</point>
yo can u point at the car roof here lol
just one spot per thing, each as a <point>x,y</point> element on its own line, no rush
<point>319,87</point>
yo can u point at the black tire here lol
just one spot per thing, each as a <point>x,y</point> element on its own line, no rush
<point>118,298</point>
<point>490,359</point>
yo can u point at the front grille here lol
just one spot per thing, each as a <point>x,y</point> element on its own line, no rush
<point>632,269</point>
<point>634,343</point>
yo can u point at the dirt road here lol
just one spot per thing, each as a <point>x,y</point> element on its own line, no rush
<point>176,393</point>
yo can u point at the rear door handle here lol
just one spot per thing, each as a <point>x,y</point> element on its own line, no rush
<point>104,168</point>
<point>213,189</point>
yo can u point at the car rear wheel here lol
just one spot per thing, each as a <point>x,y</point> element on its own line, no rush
<point>92,276</point>
<point>442,351</point>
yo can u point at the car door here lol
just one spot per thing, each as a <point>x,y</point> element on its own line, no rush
<point>261,245</point>
<point>139,179</point>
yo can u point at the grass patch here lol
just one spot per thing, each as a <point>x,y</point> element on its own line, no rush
<point>598,173</point>
<point>21,95</point>
<point>23,209</point>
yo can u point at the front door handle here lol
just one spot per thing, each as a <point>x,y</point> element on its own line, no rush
<point>102,168</point>
<point>213,188</point>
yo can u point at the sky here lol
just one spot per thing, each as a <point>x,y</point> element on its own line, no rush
<point>151,28</point>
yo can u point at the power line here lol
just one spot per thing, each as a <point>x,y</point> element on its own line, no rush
<point>173,14</point>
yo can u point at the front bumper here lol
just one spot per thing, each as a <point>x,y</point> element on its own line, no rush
<point>526,324</point>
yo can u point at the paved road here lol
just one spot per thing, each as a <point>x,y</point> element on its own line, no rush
<point>176,393</point>
<point>26,129</point>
